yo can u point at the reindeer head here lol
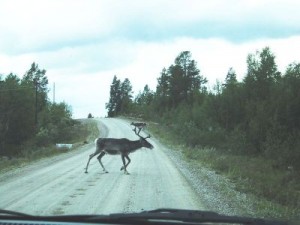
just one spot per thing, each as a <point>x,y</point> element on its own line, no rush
<point>145,143</point>
<point>143,140</point>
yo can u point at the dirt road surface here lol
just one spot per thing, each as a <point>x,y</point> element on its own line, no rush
<point>58,185</point>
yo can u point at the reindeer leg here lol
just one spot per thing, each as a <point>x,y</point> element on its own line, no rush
<point>125,164</point>
<point>134,129</point>
<point>99,159</point>
<point>90,157</point>
<point>127,157</point>
<point>123,160</point>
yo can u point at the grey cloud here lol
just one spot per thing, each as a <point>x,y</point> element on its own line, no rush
<point>153,21</point>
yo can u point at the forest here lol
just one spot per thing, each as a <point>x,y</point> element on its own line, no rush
<point>28,120</point>
<point>257,116</point>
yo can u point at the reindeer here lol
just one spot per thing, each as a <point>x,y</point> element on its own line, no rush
<point>118,146</point>
<point>138,125</point>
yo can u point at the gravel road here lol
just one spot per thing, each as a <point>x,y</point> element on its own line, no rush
<point>58,185</point>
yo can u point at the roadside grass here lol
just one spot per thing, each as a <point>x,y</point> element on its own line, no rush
<point>274,192</point>
<point>85,132</point>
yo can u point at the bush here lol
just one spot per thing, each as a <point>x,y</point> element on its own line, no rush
<point>284,148</point>
<point>43,138</point>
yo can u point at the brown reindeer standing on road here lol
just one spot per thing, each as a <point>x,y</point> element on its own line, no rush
<point>118,146</point>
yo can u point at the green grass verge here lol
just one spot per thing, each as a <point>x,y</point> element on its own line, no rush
<point>85,132</point>
<point>274,192</point>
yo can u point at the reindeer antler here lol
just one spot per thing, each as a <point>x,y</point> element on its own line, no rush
<point>139,126</point>
<point>148,136</point>
<point>138,134</point>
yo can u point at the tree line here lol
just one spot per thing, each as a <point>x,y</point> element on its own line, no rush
<point>259,115</point>
<point>27,115</point>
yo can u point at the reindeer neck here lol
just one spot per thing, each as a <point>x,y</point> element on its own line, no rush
<point>135,145</point>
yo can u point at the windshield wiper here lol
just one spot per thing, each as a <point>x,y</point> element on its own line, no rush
<point>13,213</point>
<point>158,216</point>
<point>192,216</point>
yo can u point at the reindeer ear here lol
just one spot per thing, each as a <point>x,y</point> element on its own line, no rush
<point>147,137</point>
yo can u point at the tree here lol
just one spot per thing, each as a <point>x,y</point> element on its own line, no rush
<point>120,97</point>
<point>55,124</point>
<point>115,97</point>
<point>36,77</point>
<point>17,113</point>
<point>230,80</point>
<point>162,93</point>
<point>261,74</point>
<point>185,79</point>
<point>145,97</point>
<point>17,108</point>
<point>289,98</point>
<point>193,79</point>
<point>260,84</point>
<point>143,102</point>
<point>126,96</point>
<point>231,101</point>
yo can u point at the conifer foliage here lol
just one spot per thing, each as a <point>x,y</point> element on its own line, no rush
<point>259,115</point>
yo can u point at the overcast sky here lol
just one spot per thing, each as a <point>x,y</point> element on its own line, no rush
<point>83,43</point>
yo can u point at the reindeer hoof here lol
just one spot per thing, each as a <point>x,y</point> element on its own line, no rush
<point>122,168</point>
<point>126,173</point>
<point>85,172</point>
<point>105,171</point>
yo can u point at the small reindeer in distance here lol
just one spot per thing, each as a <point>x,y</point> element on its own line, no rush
<point>138,125</point>
<point>118,146</point>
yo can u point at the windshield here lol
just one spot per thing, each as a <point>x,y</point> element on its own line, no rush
<point>125,106</point>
